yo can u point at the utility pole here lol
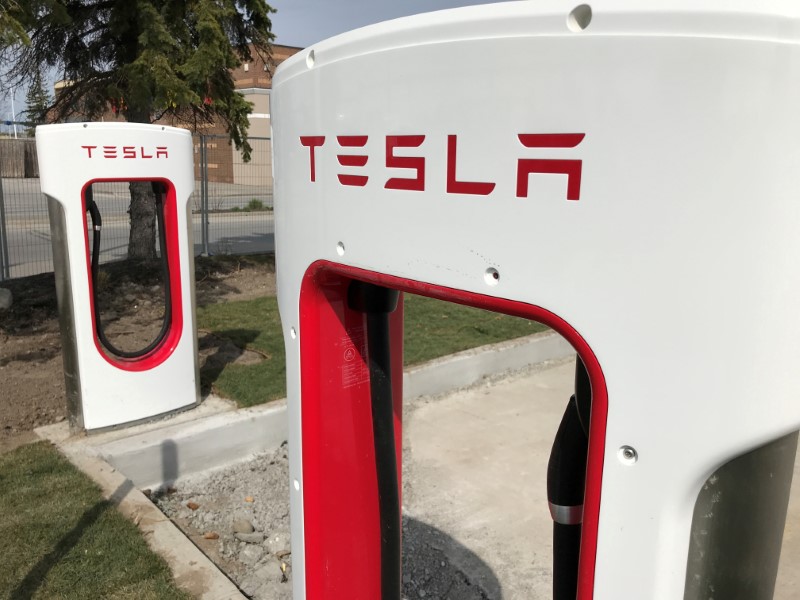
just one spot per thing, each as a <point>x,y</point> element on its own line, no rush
<point>13,112</point>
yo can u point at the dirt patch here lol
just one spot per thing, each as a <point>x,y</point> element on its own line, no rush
<point>229,278</point>
<point>132,313</point>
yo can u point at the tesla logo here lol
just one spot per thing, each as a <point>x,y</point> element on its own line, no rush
<point>125,152</point>
<point>351,153</point>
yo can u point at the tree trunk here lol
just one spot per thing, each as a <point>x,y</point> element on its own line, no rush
<point>142,242</point>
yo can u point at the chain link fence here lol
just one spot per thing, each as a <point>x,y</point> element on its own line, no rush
<point>235,198</point>
<point>231,206</point>
<point>24,226</point>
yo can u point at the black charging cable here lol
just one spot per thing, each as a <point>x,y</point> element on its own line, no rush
<point>566,486</point>
<point>377,303</point>
<point>159,190</point>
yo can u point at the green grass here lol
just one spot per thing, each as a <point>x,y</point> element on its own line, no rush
<point>432,329</point>
<point>255,205</point>
<point>255,325</point>
<point>60,539</point>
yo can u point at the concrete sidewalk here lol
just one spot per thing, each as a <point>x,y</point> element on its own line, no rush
<point>475,468</point>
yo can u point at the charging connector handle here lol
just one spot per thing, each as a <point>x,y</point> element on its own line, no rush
<point>377,303</point>
<point>159,190</point>
<point>566,483</point>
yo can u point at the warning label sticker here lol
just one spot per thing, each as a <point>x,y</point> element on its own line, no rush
<point>353,352</point>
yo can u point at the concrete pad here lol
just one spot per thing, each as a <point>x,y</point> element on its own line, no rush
<point>162,456</point>
<point>475,467</point>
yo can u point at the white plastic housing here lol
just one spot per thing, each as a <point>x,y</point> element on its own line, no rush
<point>103,391</point>
<point>677,263</point>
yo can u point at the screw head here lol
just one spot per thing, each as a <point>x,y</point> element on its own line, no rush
<point>628,455</point>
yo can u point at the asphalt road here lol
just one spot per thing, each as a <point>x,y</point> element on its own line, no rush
<point>24,199</point>
<point>28,226</point>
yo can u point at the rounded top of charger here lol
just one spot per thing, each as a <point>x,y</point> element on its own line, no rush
<point>769,20</point>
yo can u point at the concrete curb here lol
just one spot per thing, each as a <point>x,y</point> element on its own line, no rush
<point>192,570</point>
<point>161,456</point>
<point>467,368</point>
<point>152,455</point>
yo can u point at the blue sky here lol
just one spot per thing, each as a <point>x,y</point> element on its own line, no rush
<point>305,22</point>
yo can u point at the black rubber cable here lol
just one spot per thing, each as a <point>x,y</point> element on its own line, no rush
<point>583,395</point>
<point>378,302</point>
<point>566,486</point>
<point>97,225</point>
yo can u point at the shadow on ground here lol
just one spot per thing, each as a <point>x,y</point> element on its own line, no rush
<point>437,566</point>
<point>217,351</point>
<point>38,573</point>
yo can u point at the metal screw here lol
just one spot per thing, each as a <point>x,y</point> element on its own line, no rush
<point>628,455</point>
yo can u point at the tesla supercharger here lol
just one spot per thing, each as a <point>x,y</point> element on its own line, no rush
<point>107,386</point>
<point>625,173</point>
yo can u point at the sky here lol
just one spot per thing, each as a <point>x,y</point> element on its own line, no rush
<point>306,22</point>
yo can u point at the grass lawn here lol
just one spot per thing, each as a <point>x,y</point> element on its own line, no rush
<point>60,539</point>
<point>432,329</point>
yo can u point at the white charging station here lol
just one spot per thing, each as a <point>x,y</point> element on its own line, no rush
<point>104,390</point>
<point>625,172</point>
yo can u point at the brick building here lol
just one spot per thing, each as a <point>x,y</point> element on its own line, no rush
<point>254,81</point>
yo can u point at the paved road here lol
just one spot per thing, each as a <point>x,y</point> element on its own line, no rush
<point>30,248</point>
<point>28,228</point>
<point>24,199</point>
<point>475,468</point>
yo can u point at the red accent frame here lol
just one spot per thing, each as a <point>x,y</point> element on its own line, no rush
<point>164,350</point>
<point>340,504</point>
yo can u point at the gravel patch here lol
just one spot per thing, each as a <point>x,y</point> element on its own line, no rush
<point>239,516</point>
